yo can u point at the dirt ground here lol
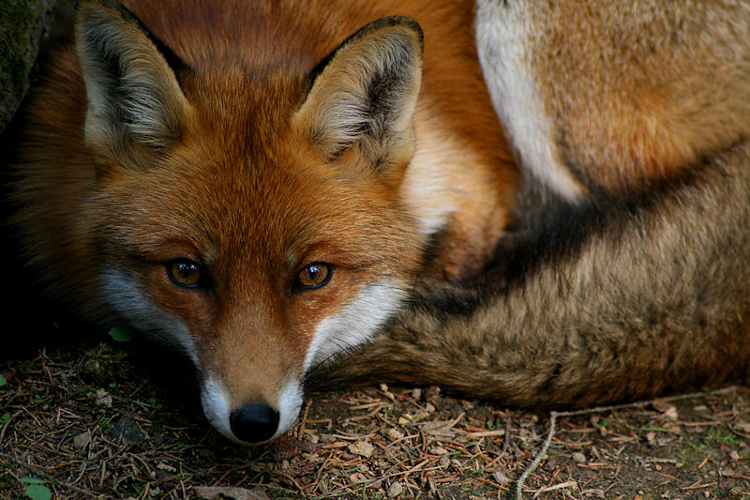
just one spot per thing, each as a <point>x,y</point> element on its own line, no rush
<point>96,418</point>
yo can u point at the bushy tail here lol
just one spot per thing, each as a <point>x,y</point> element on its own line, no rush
<point>612,300</point>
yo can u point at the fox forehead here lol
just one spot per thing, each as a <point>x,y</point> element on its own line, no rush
<point>217,192</point>
<point>239,173</point>
<point>276,207</point>
<point>234,104</point>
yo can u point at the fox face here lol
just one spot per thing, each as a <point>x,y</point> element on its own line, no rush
<point>255,284</point>
<point>244,221</point>
<point>213,284</point>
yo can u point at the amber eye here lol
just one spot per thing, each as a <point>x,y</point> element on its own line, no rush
<point>185,273</point>
<point>313,276</point>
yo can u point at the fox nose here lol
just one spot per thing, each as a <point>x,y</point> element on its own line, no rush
<point>254,423</point>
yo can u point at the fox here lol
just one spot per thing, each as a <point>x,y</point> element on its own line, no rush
<point>528,203</point>
<point>258,183</point>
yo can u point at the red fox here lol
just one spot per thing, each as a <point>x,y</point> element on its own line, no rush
<point>297,192</point>
<point>260,183</point>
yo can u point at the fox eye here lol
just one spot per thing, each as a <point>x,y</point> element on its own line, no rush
<point>313,276</point>
<point>185,273</point>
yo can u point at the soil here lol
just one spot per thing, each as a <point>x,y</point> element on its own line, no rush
<point>89,417</point>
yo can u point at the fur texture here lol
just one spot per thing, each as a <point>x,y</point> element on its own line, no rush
<point>606,302</point>
<point>628,273</point>
<point>606,95</point>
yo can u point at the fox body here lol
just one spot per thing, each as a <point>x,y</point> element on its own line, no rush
<point>605,96</point>
<point>269,185</point>
<point>630,272</point>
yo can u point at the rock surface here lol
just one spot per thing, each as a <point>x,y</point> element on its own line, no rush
<point>24,26</point>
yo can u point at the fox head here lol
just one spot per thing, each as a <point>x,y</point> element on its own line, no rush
<point>254,220</point>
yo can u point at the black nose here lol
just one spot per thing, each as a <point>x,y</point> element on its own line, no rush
<point>254,423</point>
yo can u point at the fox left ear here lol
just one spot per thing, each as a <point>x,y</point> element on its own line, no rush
<point>364,95</point>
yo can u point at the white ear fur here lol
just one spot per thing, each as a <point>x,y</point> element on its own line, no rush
<point>366,92</point>
<point>133,93</point>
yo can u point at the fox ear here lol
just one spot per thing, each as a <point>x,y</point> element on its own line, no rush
<point>364,94</point>
<point>134,98</point>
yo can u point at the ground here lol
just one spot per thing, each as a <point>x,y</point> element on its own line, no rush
<point>95,417</point>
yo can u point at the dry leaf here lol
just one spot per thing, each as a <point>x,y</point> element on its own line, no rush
<point>442,428</point>
<point>361,448</point>
<point>667,409</point>
<point>82,440</point>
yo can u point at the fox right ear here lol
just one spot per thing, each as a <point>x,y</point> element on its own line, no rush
<point>364,95</point>
<point>134,98</point>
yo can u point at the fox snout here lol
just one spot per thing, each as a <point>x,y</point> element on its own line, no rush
<point>252,419</point>
<point>252,390</point>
